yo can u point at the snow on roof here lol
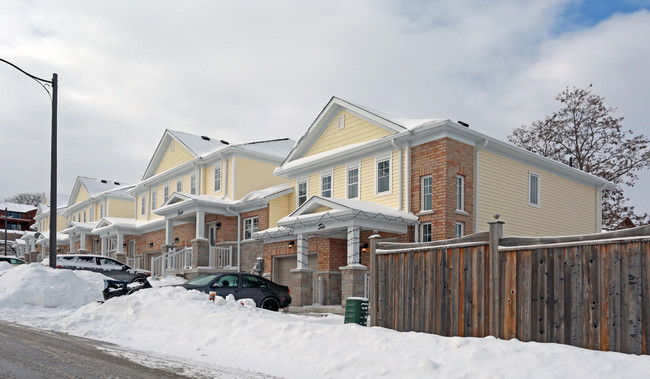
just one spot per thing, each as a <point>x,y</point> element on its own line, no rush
<point>15,207</point>
<point>322,155</point>
<point>198,145</point>
<point>278,147</point>
<point>407,123</point>
<point>266,192</point>
<point>99,186</point>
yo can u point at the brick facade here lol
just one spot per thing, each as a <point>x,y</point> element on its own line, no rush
<point>443,159</point>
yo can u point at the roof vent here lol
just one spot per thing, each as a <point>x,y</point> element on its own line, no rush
<point>463,124</point>
<point>225,142</point>
<point>117,183</point>
<point>205,138</point>
<point>104,181</point>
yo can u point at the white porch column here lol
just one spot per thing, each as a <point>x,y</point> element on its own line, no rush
<point>169,232</point>
<point>301,257</point>
<point>103,245</point>
<point>200,224</point>
<point>353,245</point>
<point>120,242</point>
<point>82,241</point>
<point>71,244</point>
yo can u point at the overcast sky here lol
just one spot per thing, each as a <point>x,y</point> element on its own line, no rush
<point>251,70</point>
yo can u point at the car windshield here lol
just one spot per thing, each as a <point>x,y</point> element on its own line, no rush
<point>201,280</point>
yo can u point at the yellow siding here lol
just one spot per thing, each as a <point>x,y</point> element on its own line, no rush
<point>61,223</point>
<point>138,207</point>
<point>252,175</point>
<point>322,208</point>
<point>338,182</point>
<point>278,208</point>
<point>120,208</point>
<point>174,158</point>
<point>81,196</point>
<point>566,207</point>
<point>356,130</point>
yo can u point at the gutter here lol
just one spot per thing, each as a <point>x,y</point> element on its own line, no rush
<point>480,147</point>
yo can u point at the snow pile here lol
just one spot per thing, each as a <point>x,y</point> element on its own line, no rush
<point>5,266</point>
<point>171,321</point>
<point>40,285</point>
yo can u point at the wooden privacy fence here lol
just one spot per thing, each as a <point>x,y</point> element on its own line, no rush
<point>591,291</point>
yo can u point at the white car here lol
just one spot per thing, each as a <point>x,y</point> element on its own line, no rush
<point>101,264</point>
<point>12,260</point>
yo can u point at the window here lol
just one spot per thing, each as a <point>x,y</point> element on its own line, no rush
<point>427,193</point>
<point>212,235</point>
<point>131,248</point>
<point>193,185</point>
<point>341,122</point>
<point>533,189</point>
<point>383,175</point>
<point>179,185</point>
<point>250,281</point>
<point>326,185</point>
<point>302,192</point>
<point>217,178</point>
<point>84,216</point>
<point>353,182</point>
<point>74,218</point>
<point>92,213</point>
<point>101,210</point>
<point>460,192</point>
<point>231,280</point>
<point>425,230</point>
<point>79,217</point>
<point>251,225</point>
<point>154,198</point>
<point>165,193</point>
<point>460,229</point>
<point>143,204</point>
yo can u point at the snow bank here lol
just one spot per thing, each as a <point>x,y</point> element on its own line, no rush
<point>172,321</point>
<point>5,266</point>
<point>40,285</point>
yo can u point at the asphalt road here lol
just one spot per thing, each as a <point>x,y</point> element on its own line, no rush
<point>32,353</point>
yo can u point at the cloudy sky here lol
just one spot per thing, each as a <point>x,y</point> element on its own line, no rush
<point>249,70</point>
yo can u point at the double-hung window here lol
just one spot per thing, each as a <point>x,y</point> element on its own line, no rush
<point>193,185</point>
<point>179,185</point>
<point>427,193</point>
<point>326,184</point>
<point>383,175</point>
<point>101,211</point>
<point>533,189</point>
<point>425,232</point>
<point>302,192</point>
<point>143,204</point>
<point>251,225</point>
<point>154,198</point>
<point>352,182</point>
<point>165,193</point>
<point>460,192</point>
<point>217,178</point>
<point>460,229</point>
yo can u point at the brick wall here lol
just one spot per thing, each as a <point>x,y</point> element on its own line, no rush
<point>443,159</point>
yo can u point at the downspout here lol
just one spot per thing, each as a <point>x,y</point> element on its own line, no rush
<point>480,147</point>
<point>238,237</point>
<point>225,178</point>
<point>401,174</point>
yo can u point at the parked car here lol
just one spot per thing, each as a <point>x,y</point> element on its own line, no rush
<point>13,260</point>
<point>101,264</point>
<point>265,293</point>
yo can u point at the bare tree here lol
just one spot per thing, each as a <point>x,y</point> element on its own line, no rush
<point>31,198</point>
<point>584,134</point>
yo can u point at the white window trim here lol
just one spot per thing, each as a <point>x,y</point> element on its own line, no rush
<point>143,205</point>
<point>422,225</point>
<point>462,193</point>
<point>193,185</point>
<point>298,183</point>
<point>154,198</point>
<point>179,185</point>
<point>165,193</point>
<point>340,122</point>
<point>379,159</point>
<point>347,183</point>
<point>422,210</point>
<point>539,186</point>
<point>217,183</point>
<point>324,174</point>
<point>251,226</point>
<point>462,229</point>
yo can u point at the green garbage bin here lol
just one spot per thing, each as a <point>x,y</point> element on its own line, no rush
<point>356,310</point>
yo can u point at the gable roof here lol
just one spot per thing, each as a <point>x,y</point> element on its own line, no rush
<point>15,207</point>
<point>96,187</point>
<point>331,109</point>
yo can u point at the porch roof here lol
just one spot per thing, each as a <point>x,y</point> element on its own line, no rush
<point>79,227</point>
<point>60,238</point>
<point>114,225</point>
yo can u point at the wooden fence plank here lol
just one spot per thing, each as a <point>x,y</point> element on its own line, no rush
<point>605,287</point>
<point>454,290</point>
<point>534,296</point>
<point>615,299</point>
<point>465,325</point>
<point>645,272</point>
<point>558,295</point>
<point>525,294</point>
<point>633,296</point>
<point>430,290</point>
<point>510,291</point>
<point>541,317</point>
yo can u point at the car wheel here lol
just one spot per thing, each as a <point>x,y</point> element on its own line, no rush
<point>271,304</point>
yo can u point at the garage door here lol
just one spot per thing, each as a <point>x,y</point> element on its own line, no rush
<point>283,265</point>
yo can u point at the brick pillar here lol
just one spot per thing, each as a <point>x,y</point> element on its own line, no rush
<point>302,290</point>
<point>352,281</point>
<point>200,252</point>
<point>120,256</point>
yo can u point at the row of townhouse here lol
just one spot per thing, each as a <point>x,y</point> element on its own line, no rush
<point>301,212</point>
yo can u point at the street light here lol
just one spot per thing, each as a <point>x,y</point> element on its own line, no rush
<point>54,96</point>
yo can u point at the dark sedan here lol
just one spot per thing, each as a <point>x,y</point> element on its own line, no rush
<point>265,293</point>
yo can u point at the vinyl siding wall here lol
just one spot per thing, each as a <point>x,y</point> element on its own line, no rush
<point>566,207</point>
<point>173,158</point>
<point>119,208</point>
<point>253,175</point>
<point>356,130</point>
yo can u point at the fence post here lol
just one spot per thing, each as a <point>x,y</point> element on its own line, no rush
<point>494,306</point>
<point>373,289</point>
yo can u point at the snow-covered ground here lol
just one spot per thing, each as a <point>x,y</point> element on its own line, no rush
<point>170,321</point>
